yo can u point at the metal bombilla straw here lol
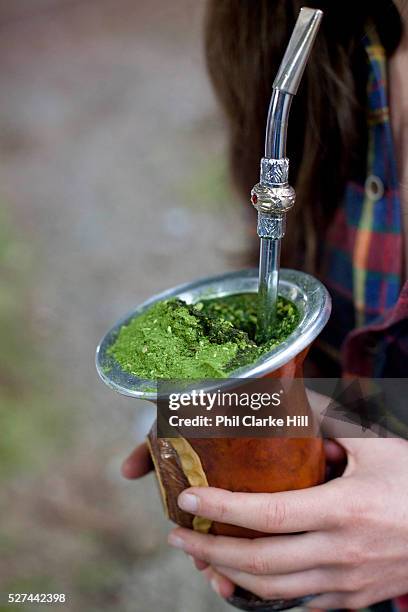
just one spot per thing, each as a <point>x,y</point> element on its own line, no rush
<point>273,197</point>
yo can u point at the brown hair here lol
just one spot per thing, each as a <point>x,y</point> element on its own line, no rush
<point>245,40</point>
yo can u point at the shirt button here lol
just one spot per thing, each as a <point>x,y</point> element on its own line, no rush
<point>374,187</point>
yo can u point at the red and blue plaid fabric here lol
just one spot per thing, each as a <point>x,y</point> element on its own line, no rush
<point>363,252</point>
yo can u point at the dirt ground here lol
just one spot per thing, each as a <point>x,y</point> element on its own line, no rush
<point>113,186</point>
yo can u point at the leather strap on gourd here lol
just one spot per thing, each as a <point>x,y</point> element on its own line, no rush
<point>158,476</point>
<point>193,470</point>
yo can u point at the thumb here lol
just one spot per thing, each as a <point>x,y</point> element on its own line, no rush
<point>368,450</point>
<point>138,463</point>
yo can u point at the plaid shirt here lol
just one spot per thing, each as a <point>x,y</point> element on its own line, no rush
<point>363,254</point>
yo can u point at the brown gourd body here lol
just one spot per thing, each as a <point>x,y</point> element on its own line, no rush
<point>258,465</point>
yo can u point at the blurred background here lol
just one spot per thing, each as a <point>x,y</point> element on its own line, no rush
<point>113,186</point>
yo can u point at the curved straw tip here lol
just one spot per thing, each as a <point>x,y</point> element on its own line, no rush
<point>317,13</point>
<point>297,52</point>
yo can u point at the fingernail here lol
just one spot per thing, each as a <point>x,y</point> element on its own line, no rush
<point>175,540</point>
<point>188,502</point>
<point>215,586</point>
<point>125,467</point>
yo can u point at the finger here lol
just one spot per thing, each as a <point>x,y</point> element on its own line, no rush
<point>262,556</point>
<point>336,459</point>
<point>334,452</point>
<point>138,463</point>
<point>200,565</point>
<point>288,512</point>
<point>330,601</point>
<point>299,584</point>
<point>220,584</point>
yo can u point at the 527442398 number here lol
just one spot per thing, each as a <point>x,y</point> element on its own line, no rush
<point>50,598</point>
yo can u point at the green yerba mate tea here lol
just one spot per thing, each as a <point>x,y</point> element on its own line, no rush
<point>209,339</point>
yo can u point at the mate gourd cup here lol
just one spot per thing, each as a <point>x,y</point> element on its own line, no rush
<point>238,464</point>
